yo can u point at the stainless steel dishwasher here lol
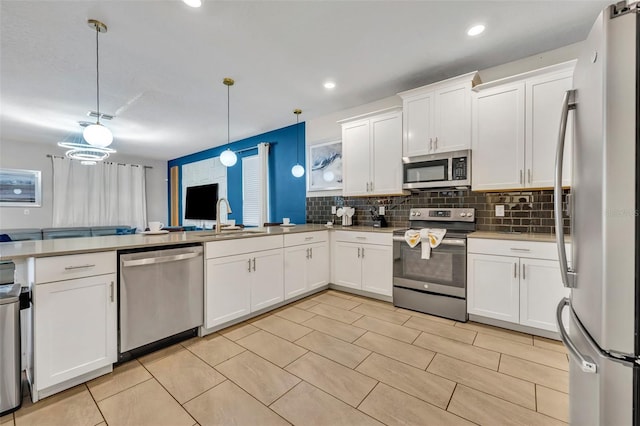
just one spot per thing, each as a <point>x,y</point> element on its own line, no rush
<point>161,296</point>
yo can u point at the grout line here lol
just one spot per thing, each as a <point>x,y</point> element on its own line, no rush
<point>207,390</point>
<point>451,397</point>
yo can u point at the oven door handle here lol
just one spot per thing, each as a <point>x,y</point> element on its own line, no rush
<point>445,242</point>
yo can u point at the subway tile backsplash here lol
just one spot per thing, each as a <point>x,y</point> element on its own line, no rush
<point>524,211</point>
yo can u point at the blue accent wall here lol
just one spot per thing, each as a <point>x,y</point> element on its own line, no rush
<point>287,193</point>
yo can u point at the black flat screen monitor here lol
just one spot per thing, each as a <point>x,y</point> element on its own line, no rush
<point>201,202</point>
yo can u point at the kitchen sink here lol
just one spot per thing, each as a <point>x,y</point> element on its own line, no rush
<point>230,232</point>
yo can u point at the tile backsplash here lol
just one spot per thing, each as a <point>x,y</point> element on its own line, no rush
<point>524,211</point>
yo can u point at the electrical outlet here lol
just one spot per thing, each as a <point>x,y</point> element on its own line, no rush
<point>499,210</point>
<point>381,210</point>
<point>333,209</point>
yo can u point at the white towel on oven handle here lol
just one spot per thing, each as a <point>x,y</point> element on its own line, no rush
<point>430,238</point>
<point>412,237</point>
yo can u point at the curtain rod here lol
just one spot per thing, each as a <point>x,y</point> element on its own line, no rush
<point>254,147</point>
<point>109,162</point>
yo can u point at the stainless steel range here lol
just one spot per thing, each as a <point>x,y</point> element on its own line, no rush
<point>438,285</point>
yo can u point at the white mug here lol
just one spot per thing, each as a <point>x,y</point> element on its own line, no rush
<point>155,226</point>
<point>286,221</point>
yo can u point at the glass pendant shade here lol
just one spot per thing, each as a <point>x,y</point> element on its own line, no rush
<point>97,135</point>
<point>228,158</point>
<point>297,171</point>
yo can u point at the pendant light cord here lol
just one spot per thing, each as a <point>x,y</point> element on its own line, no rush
<point>97,75</point>
<point>297,139</point>
<point>228,120</point>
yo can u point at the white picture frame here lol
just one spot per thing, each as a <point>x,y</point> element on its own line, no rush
<point>20,188</point>
<point>325,166</point>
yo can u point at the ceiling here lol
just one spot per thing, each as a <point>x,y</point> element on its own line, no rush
<point>162,62</point>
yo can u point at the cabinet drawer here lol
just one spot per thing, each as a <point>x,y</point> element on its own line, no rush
<point>241,245</point>
<point>59,268</point>
<point>305,238</point>
<point>532,249</point>
<point>364,237</point>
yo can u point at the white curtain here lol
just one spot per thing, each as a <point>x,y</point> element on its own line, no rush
<point>255,187</point>
<point>100,195</point>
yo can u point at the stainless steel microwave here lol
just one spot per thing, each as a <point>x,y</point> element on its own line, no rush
<point>449,169</point>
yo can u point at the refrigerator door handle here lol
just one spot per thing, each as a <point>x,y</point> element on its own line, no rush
<point>586,364</point>
<point>568,275</point>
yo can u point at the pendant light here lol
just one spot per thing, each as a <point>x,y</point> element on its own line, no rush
<point>97,134</point>
<point>78,149</point>
<point>228,158</point>
<point>297,170</point>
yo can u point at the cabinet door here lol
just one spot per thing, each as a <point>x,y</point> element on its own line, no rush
<point>498,138</point>
<point>386,140</point>
<point>75,328</point>
<point>540,291</point>
<point>318,265</point>
<point>295,270</point>
<point>347,264</point>
<point>543,108</point>
<point>356,158</point>
<point>377,269</point>
<point>493,286</point>
<point>417,125</point>
<point>228,289</point>
<point>267,281</point>
<point>453,118</point>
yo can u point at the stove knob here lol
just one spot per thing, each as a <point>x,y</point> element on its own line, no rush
<point>418,214</point>
<point>413,213</point>
<point>469,214</point>
<point>463,215</point>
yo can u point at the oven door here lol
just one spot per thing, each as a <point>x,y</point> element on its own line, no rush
<point>444,273</point>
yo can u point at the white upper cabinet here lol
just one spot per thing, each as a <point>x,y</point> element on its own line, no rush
<point>515,130</point>
<point>437,117</point>
<point>372,153</point>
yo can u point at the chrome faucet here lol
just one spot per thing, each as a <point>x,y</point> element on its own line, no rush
<point>218,224</point>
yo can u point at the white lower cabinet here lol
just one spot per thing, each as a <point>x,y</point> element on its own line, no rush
<point>364,261</point>
<point>518,289</point>
<point>75,320</point>
<point>239,284</point>
<point>305,267</point>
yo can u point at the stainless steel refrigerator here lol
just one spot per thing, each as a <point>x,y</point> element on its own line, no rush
<point>602,335</point>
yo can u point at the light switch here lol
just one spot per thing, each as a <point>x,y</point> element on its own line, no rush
<point>333,209</point>
<point>381,210</point>
<point>499,210</point>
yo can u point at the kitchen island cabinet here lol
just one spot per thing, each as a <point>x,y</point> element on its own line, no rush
<point>75,320</point>
<point>306,262</point>
<point>241,277</point>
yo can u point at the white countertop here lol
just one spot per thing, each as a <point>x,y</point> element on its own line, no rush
<point>517,236</point>
<point>64,246</point>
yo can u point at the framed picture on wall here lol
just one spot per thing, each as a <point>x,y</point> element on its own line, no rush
<point>325,166</point>
<point>20,188</point>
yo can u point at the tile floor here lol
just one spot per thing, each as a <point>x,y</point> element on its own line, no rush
<point>330,359</point>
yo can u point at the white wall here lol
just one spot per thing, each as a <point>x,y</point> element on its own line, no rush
<point>325,128</point>
<point>33,156</point>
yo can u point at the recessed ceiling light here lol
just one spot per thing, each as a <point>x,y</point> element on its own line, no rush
<point>329,85</point>
<point>475,30</point>
<point>193,3</point>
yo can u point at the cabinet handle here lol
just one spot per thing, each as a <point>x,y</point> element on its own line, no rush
<point>515,270</point>
<point>307,253</point>
<point>520,249</point>
<point>361,238</point>
<point>111,290</point>
<point>363,252</point>
<point>249,261</point>
<point>435,144</point>
<point>308,238</point>
<point>521,182</point>
<point>311,253</point>
<point>367,186</point>
<point>529,175</point>
<point>430,144</point>
<point>71,268</point>
<point>372,186</point>
<point>524,275</point>
<point>358,251</point>
<point>254,264</point>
